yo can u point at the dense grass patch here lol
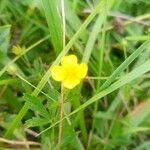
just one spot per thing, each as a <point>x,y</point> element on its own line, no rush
<point>109,109</point>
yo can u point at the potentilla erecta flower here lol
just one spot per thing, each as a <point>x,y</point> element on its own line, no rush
<point>70,73</point>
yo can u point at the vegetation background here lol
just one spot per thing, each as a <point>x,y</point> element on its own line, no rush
<point>110,109</point>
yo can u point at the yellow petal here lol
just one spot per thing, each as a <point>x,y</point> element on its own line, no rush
<point>82,70</point>
<point>71,82</point>
<point>58,73</point>
<point>69,60</point>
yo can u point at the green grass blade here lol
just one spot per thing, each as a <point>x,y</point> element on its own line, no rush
<point>125,64</point>
<point>35,122</point>
<point>54,23</point>
<point>74,23</point>
<point>4,38</point>
<point>93,36</point>
<point>95,31</point>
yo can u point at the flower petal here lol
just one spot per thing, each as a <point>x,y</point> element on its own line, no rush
<point>71,82</point>
<point>69,60</point>
<point>58,73</point>
<point>82,70</point>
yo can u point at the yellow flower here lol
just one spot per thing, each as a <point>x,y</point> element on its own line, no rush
<point>17,50</point>
<point>69,72</point>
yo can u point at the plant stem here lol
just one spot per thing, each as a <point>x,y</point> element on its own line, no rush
<point>61,115</point>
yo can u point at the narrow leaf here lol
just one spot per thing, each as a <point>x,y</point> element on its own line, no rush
<point>35,122</point>
<point>36,105</point>
<point>54,23</point>
<point>125,64</point>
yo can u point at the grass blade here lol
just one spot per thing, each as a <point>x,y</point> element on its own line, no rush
<point>125,64</point>
<point>54,24</point>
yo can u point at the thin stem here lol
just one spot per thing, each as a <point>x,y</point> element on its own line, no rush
<point>61,115</point>
<point>23,79</point>
<point>19,143</point>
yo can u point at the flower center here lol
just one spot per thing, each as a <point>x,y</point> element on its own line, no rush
<point>71,72</point>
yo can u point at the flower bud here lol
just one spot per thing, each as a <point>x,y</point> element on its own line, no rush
<point>124,42</point>
<point>12,69</point>
<point>17,50</point>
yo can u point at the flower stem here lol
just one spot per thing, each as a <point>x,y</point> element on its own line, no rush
<point>61,115</point>
<point>62,87</point>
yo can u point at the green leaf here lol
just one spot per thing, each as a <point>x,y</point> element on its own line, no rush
<point>8,81</point>
<point>4,42</point>
<point>54,94</point>
<point>54,23</point>
<point>4,38</point>
<point>11,99</point>
<point>75,23</point>
<point>104,115</point>
<point>125,64</point>
<point>101,19</point>
<point>35,122</point>
<point>36,105</point>
<point>132,130</point>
